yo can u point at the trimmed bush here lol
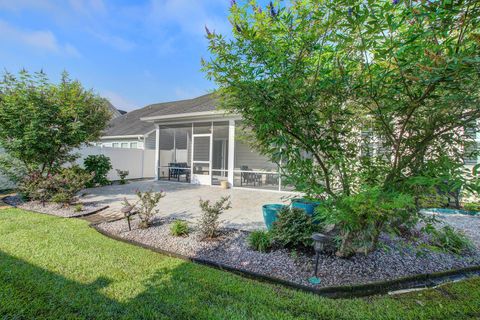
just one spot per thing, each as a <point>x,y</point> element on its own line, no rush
<point>260,240</point>
<point>293,228</point>
<point>208,223</point>
<point>179,228</point>
<point>122,174</point>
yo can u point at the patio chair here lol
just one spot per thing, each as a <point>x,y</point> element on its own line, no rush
<point>176,170</point>
<point>249,177</point>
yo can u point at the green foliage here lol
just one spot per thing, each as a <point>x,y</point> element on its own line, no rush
<point>471,206</point>
<point>293,228</point>
<point>350,94</point>
<point>42,123</point>
<point>208,223</point>
<point>179,228</point>
<point>260,240</point>
<point>147,202</point>
<point>61,187</point>
<point>450,240</point>
<point>363,216</point>
<point>122,174</point>
<point>99,165</point>
<point>165,287</point>
<point>78,207</point>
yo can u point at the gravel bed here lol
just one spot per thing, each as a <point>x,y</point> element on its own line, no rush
<point>468,224</point>
<point>54,208</point>
<point>396,257</point>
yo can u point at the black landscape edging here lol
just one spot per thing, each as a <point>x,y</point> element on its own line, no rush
<point>427,280</point>
<point>89,213</point>
<point>54,215</point>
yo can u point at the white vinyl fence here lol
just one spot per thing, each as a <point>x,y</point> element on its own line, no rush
<point>140,163</point>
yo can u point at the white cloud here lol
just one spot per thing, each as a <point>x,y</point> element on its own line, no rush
<point>190,16</point>
<point>43,40</point>
<point>115,41</point>
<point>119,101</point>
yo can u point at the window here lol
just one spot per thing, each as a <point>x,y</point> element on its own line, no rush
<point>133,145</point>
<point>125,145</point>
<point>115,145</point>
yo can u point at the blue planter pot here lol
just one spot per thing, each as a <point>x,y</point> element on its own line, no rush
<point>270,212</point>
<point>306,205</point>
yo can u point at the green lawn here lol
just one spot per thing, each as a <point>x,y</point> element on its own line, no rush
<point>60,268</point>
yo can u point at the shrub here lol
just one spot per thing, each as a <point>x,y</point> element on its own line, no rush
<point>68,182</point>
<point>449,240</point>
<point>293,228</point>
<point>122,174</point>
<point>208,223</point>
<point>260,240</point>
<point>60,187</point>
<point>179,228</point>
<point>147,202</point>
<point>362,217</point>
<point>471,206</point>
<point>100,165</point>
<point>78,207</point>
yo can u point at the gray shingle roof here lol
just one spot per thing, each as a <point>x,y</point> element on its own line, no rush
<point>130,123</point>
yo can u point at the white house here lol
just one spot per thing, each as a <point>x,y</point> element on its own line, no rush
<point>194,143</point>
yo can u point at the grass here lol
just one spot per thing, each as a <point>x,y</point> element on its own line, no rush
<point>54,268</point>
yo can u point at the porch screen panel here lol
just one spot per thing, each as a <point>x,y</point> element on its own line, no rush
<point>220,152</point>
<point>251,169</point>
<point>201,149</point>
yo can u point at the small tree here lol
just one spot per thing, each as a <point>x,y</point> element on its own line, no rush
<point>209,223</point>
<point>41,123</point>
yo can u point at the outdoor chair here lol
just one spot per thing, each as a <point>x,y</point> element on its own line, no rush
<point>176,170</point>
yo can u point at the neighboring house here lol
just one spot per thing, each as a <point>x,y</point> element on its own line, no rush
<point>193,142</point>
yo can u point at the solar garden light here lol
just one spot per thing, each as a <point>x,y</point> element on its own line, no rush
<point>128,211</point>
<point>319,246</point>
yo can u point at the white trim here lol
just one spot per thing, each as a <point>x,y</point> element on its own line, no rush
<point>157,151</point>
<point>123,137</point>
<point>184,115</point>
<point>231,151</point>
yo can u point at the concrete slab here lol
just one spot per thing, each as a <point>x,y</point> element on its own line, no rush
<point>182,201</point>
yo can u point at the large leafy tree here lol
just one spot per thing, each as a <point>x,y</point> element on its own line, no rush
<point>325,83</point>
<point>363,102</point>
<point>41,123</point>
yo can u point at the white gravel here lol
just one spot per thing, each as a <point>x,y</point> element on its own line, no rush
<point>53,208</point>
<point>395,257</point>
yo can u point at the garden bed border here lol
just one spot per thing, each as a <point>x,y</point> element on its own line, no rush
<point>419,281</point>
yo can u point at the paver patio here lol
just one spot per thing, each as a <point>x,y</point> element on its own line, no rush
<point>182,199</point>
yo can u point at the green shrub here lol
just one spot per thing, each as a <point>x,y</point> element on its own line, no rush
<point>147,202</point>
<point>60,187</point>
<point>471,206</point>
<point>179,228</point>
<point>100,165</point>
<point>68,182</point>
<point>78,207</point>
<point>450,240</point>
<point>208,223</point>
<point>260,240</point>
<point>122,174</point>
<point>293,228</point>
<point>362,217</point>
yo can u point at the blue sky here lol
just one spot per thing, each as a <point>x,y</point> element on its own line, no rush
<point>132,52</point>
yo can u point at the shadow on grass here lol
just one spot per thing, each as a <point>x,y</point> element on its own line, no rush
<point>183,292</point>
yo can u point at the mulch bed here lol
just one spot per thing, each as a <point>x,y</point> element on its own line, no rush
<point>55,209</point>
<point>395,257</point>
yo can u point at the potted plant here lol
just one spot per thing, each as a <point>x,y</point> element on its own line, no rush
<point>270,212</point>
<point>305,204</point>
